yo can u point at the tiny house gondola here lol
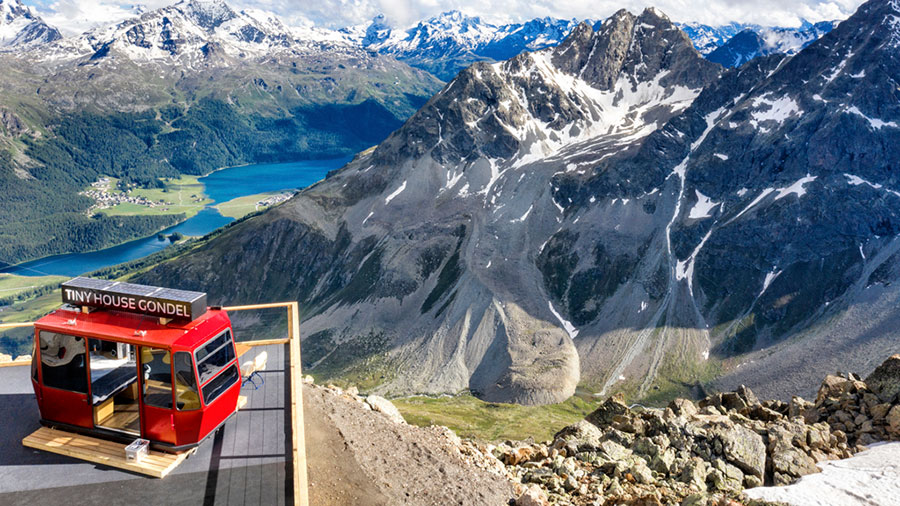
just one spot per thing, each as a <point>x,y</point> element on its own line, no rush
<point>125,361</point>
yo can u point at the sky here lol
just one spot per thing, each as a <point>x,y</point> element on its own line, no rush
<point>76,16</point>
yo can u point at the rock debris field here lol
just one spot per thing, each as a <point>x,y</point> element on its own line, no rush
<point>727,449</point>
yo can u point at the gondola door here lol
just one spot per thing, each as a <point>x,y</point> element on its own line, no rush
<point>114,387</point>
<point>158,419</point>
<point>63,379</point>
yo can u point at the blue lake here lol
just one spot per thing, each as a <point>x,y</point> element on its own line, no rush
<point>221,186</point>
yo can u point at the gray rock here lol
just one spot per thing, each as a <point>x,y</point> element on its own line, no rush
<point>385,407</point>
<point>604,415</point>
<point>885,380</point>
<point>532,496</point>
<point>893,421</point>
<point>583,434</point>
<point>614,451</point>
<point>743,448</point>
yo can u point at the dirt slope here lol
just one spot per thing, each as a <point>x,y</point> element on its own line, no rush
<point>360,457</point>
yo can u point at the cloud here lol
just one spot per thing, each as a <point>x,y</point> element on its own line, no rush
<point>73,16</point>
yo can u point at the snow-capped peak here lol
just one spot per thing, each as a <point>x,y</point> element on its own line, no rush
<point>191,32</point>
<point>20,26</point>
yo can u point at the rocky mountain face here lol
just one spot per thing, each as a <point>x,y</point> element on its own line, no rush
<point>428,257</point>
<point>21,28</point>
<point>751,43</point>
<point>451,41</point>
<point>615,212</point>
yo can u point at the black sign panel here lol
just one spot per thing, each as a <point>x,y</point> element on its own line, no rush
<point>142,299</point>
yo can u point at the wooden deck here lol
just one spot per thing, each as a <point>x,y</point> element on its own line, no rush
<point>101,451</point>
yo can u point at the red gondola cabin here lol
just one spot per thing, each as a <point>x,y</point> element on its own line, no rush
<point>123,361</point>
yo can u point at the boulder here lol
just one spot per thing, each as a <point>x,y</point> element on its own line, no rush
<point>683,407</point>
<point>747,395</point>
<point>607,412</point>
<point>885,380</point>
<point>584,435</point>
<point>694,474</point>
<point>743,448</point>
<point>789,463</point>
<point>532,496</point>
<point>614,451</point>
<point>893,421</point>
<point>385,407</point>
<point>640,472</point>
<point>833,387</point>
<point>802,408</point>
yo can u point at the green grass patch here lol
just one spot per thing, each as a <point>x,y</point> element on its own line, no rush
<point>11,284</point>
<point>473,418</point>
<point>242,206</point>
<point>20,289</point>
<point>184,195</point>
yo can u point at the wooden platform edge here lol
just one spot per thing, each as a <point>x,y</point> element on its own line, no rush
<point>87,448</point>
<point>15,363</point>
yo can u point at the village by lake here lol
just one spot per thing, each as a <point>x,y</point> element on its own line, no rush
<point>222,196</point>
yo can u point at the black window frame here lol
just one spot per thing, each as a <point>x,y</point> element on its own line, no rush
<point>220,388</point>
<point>195,386</point>
<point>147,400</point>
<point>203,379</point>
<point>84,373</point>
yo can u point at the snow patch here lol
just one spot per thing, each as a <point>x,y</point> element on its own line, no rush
<point>778,110</point>
<point>524,216</point>
<point>798,187</point>
<point>869,477</point>
<point>856,181</point>
<point>398,191</point>
<point>570,329</point>
<point>770,276</point>
<point>875,123</point>
<point>703,207</point>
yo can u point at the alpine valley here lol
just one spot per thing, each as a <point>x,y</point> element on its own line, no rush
<point>616,212</point>
<point>602,204</point>
<point>197,86</point>
<point>185,89</point>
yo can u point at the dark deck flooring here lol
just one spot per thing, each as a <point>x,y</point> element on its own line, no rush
<point>247,462</point>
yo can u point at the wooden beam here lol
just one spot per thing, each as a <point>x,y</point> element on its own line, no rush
<point>265,342</point>
<point>15,363</point>
<point>298,447</point>
<point>270,305</point>
<point>4,326</point>
<point>101,451</point>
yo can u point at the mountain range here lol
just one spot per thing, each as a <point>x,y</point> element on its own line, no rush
<point>443,44</point>
<point>185,89</point>
<point>760,41</point>
<point>616,213</point>
<point>196,86</point>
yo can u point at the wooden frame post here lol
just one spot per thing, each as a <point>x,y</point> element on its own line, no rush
<point>301,482</point>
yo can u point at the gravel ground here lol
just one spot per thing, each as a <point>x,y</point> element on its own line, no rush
<point>360,457</point>
<point>854,338</point>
